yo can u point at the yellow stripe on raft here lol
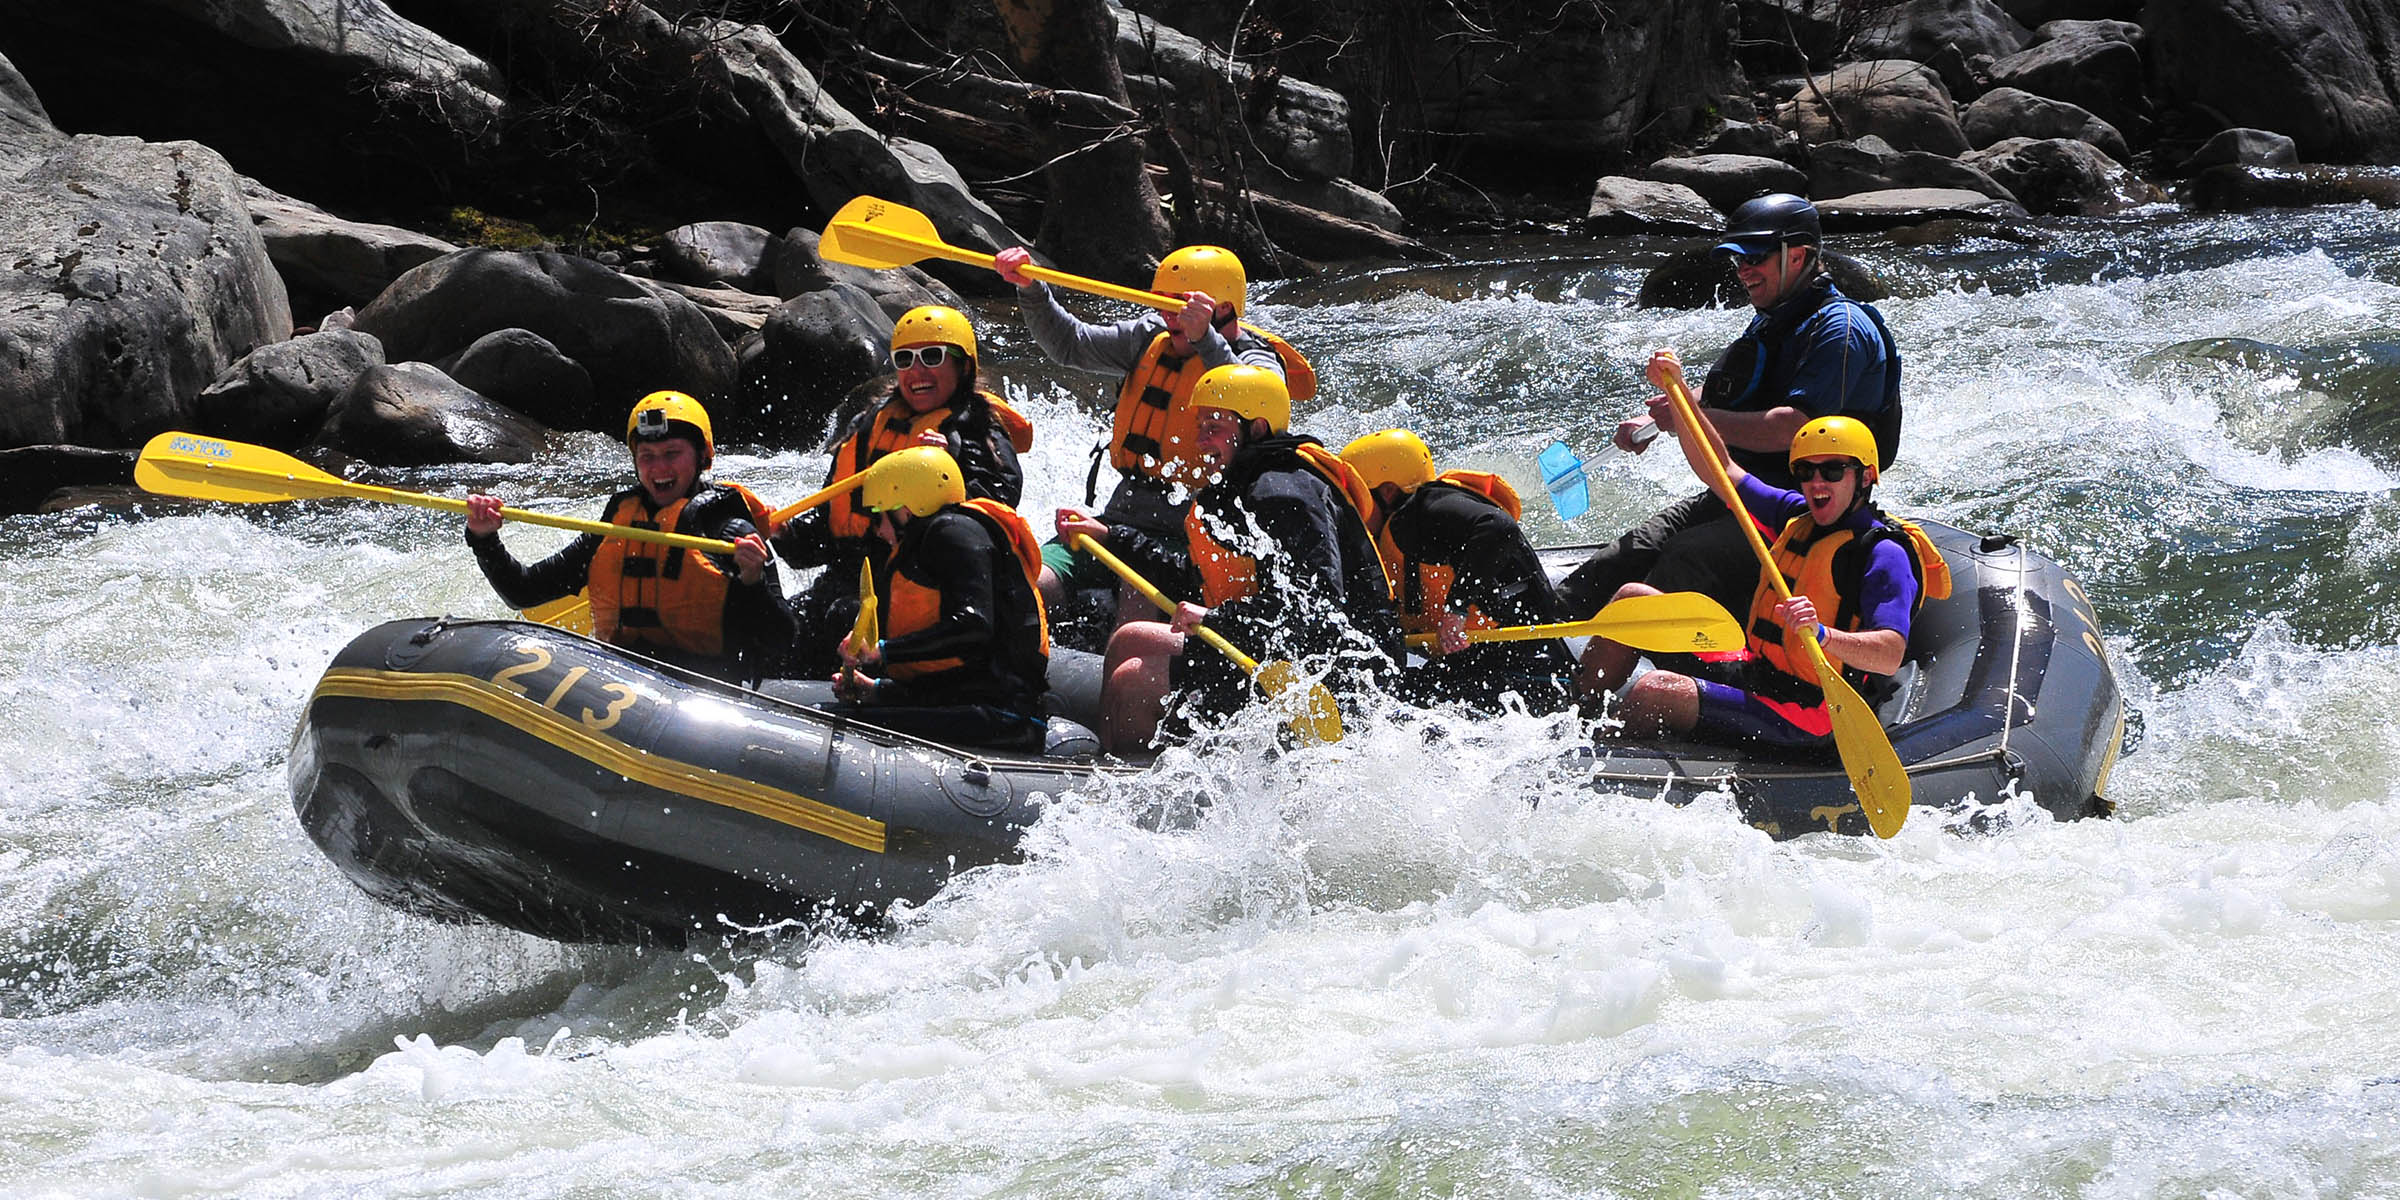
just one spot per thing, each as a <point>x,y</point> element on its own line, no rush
<point>699,783</point>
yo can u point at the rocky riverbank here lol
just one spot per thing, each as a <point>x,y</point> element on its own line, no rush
<point>402,232</point>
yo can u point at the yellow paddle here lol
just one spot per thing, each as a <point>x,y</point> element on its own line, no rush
<point>1309,710</point>
<point>571,613</point>
<point>1867,757</point>
<point>206,468</point>
<point>869,629</point>
<point>1671,622</point>
<point>868,232</point>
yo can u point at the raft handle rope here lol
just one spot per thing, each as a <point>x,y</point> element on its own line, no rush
<point>2016,655</point>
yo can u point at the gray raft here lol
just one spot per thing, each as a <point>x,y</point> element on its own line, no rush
<point>509,772</point>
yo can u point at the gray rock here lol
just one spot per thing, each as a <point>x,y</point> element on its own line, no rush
<point>1728,179</point>
<point>364,38</point>
<point>327,262</point>
<point>1904,103</point>
<point>734,313</point>
<point>26,132</point>
<point>278,394</point>
<point>2322,72</point>
<point>523,371</point>
<point>1871,165</point>
<point>2234,187</point>
<point>2004,113</point>
<point>2064,177</point>
<point>835,155</point>
<point>31,476</point>
<point>1918,29</point>
<point>810,354</point>
<point>1300,127</point>
<point>1622,205</point>
<point>134,278</point>
<point>1912,206</point>
<point>1756,139</point>
<point>799,270</point>
<point>630,339</point>
<point>2247,147</point>
<point>714,252</point>
<point>1341,197</point>
<point>411,415</point>
<point>2096,65</point>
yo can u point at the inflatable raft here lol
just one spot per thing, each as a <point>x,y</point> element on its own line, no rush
<point>510,772</point>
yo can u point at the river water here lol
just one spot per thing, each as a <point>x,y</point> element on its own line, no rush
<point>1397,967</point>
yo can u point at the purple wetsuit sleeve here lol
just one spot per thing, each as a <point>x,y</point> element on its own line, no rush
<point>1889,591</point>
<point>1769,503</point>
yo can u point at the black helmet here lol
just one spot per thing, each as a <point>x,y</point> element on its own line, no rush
<point>1769,222</point>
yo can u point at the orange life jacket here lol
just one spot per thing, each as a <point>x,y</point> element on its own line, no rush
<point>648,595</point>
<point>915,607</point>
<point>1814,564</point>
<point>1226,575</point>
<point>1422,589</point>
<point>894,427</point>
<point>1156,434</point>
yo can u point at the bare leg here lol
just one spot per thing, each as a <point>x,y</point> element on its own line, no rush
<point>1605,664</point>
<point>1053,588</point>
<point>1133,694</point>
<point>1660,703</point>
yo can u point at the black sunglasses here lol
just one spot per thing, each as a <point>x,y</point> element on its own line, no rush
<point>909,356</point>
<point>1747,259</point>
<point>1831,472</point>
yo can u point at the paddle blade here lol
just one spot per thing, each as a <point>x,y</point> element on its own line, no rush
<point>1308,708</point>
<point>869,628</point>
<point>206,468</point>
<point>571,613</point>
<point>1562,474</point>
<point>869,232</point>
<point>1668,623</point>
<point>1867,756</point>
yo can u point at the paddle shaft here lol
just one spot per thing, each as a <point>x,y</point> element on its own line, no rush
<point>1866,750</point>
<point>936,248</point>
<point>1112,562</point>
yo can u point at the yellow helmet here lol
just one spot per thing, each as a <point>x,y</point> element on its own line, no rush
<point>1255,393</point>
<point>1847,437</point>
<point>932,323</point>
<point>922,479</point>
<point>656,416</point>
<point>1211,269</point>
<point>1392,456</point>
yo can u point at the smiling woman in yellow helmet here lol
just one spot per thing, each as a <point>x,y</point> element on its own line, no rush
<point>723,615</point>
<point>1458,561</point>
<point>1279,545</point>
<point>1157,358</point>
<point>935,401</point>
<point>965,646</point>
<point>1857,578</point>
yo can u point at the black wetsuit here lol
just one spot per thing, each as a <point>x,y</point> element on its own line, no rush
<point>1496,573</point>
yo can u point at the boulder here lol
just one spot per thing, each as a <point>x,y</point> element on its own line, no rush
<point>2033,14</point>
<point>2234,187</point>
<point>278,394</point>
<point>31,475</point>
<point>1340,197</point>
<point>327,262</point>
<point>1917,30</point>
<point>834,154</point>
<point>523,371</point>
<point>1869,164</point>
<point>2096,65</point>
<point>799,270</point>
<point>409,414</point>
<point>2063,177</point>
<point>2004,113</point>
<point>1904,103</point>
<point>719,252</point>
<point>2322,72</point>
<point>1622,206</point>
<point>2247,147</point>
<point>1728,179</point>
<point>1300,127</point>
<point>1757,139</point>
<point>1912,206</point>
<point>813,350</point>
<point>734,313</point>
<point>631,340</point>
<point>134,278</point>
